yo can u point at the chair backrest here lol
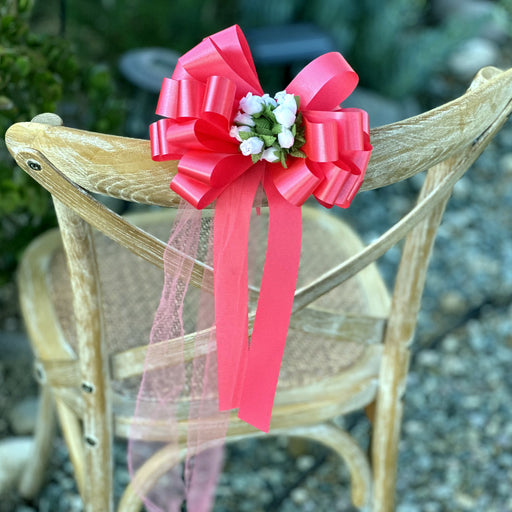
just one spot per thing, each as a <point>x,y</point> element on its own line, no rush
<point>68,162</point>
<point>73,164</point>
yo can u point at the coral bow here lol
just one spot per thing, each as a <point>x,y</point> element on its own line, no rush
<point>198,104</point>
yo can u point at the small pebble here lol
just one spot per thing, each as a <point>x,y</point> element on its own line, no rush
<point>305,462</point>
<point>299,495</point>
<point>428,358</point>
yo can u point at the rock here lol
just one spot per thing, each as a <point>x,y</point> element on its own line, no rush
<point>14,454</point>
<point>413,427</point>
<point>450,344</point>
<point>428,358</point>
<point>453,365</point>
<point>465,501</point>
<point>473,55</point>
<point>505,164</point>
<point>23,416</point>
<point>453,303</point>
<point>305,462</point>
<point>463,189</point>
<point>299,495</point>
<point>407,507</point>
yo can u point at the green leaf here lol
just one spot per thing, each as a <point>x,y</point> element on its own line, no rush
<point>263,126</point>
<point>297,100</point>
<point>246,135</point>
<point>297,153</point>
<point>299,140</point>
<point>282,157</point>
<point>267,111</point>
<point>277,128</point>
<point>268,140</point>
<point>271,117</point>
<point>23,65</point>
<point>256,158</point>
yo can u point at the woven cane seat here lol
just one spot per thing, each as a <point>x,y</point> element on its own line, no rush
<point>131,291</point>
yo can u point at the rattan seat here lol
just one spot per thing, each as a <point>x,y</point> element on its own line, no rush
<point>131,287</point>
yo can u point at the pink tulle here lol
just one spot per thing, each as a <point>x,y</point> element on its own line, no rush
<point>165,391</point>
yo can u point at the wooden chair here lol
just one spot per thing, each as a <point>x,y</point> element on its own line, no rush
<point>349,347</point>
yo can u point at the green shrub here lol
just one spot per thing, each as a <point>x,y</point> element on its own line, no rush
<point>38,73</point>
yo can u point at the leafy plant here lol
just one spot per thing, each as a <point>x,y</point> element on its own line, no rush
<point>37,73</point>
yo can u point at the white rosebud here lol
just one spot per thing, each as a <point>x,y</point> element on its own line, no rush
<point>280,96</point>
<point>235,131</point>
<point>270,155</point>
<point>290,103</point>
<point>251,146</point>
<point>284,116</point>
<point>245,119</point>
<point>268,100</point>
<point>286,138</point>
<point>251,104</point>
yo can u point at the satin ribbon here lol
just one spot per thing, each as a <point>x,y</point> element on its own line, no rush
<point>198,104</point>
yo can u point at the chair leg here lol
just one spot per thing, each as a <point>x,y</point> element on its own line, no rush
<point>386,431</point>
<point>72,432</point>
<point>99,497</point>
<point>35,472</point>
<point>345,446</point>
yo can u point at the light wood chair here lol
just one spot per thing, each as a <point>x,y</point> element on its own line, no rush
<point>349,346</point>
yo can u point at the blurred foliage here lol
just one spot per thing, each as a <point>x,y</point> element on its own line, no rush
<point>395,47</point>
<point>392,45</point>
<point>503,11</point>
<point>104,29</point>
<point>395,50</point>
<point>40,73</point>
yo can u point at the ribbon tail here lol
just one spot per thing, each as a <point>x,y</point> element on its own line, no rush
<point>274,309</point>
<point>230,243</point>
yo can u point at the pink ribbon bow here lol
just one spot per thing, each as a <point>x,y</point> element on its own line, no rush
<point>198,104</point>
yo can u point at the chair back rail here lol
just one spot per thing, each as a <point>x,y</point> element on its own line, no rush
<point>122,167</point>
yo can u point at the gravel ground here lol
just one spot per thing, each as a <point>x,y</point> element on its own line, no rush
<point>456,445</point>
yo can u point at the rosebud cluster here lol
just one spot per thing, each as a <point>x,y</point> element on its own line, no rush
<point>269,128</point>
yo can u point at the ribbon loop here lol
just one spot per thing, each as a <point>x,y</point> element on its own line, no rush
<point>161,147</point>
<point>296,183</point>
<point>213,169</point>
<point>219,99</point>
<point>321,140</point>
<point>324,83</point>
<point>227,54</point>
